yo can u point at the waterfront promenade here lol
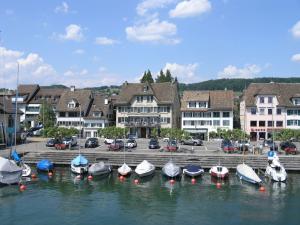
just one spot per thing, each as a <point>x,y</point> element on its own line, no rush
<point>207,156</point>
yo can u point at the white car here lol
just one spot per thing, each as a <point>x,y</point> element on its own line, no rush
<point>108,141</point>
<point>131,143</point>
<point>70,141</point>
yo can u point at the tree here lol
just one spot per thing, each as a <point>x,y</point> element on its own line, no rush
<point>46,116</point>
<point>113,132</point>
<point>169,77</point>
<point>147,77</point>
<point>161,77</point>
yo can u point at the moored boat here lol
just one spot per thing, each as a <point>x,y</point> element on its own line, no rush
<point>144,169</point>
<point>99,168</point>
<point>219,172</point>
<point>171,170</point>
<point>26,170</point>
<point>275,170</point>
<point>10,172</point>
<point>124,170</point>
<point>193,170</point>
<point>45,165</point>
<point>245,172</point>
<point>79,165</point>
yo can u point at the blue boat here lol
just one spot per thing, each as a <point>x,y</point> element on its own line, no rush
<point>79,165</point>
<point>193,170</point>
<point>45,165</point>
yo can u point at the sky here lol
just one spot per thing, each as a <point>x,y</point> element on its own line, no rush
<point>95,43</point>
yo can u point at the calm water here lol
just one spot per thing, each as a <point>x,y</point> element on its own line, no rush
<point>61,200</point>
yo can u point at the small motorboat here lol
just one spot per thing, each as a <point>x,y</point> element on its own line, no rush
<point>193,170</point>
<point>45,165</point>
<point>219,172</point>
<point>276,171</point>
<point>144,169</point>
<point>124,170</point>
<point>26,170</point>
<point>10,172</point>
<point>79,165</point>
<point>245,172</point>
<point>171,170</point>
<point>99,168</point>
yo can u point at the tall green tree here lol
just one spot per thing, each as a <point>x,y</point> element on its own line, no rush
<point>46,115</point>
<point>169,77</point>
<point>161,77</point>
<point>147,77</point>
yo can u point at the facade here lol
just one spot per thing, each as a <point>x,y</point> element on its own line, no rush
<point>269,108</point>
<point>84,110</point>
<point>144,106</point>
<point>206,111</point>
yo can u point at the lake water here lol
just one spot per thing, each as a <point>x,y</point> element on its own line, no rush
<point>65,200</point>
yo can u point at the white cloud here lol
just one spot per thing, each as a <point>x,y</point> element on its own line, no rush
<point>249,71</point>
<point>63,8</point>
<point>154,31</point>
<point>105,41</point>
<point>296,30</point>
<point>79,51</point>
<point>143,7</point>
<point>184,72</point>
<point>73,33</point>
<point>190,8</point>
<point>296,58</point>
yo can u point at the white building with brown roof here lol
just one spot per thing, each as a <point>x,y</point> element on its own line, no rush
<point>206,111</point>
<point>144,106</point>
<point>267,108</point>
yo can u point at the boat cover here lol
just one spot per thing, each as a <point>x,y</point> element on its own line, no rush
<point>15,156</point>
<point>193,168</point>
<point>99,167</point>
<point>10,173</point>
<point>79,160</point>
<point>44,164</point>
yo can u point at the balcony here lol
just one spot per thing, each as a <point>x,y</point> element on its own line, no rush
<point>141,124</point>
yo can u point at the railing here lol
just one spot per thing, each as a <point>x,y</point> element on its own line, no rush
<point>141,124</point>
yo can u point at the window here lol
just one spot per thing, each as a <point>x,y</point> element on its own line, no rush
<point>262,123</point>
<point>261,111</point>
<point>226,122</point>
<point>278,111</point>
<point>216,114</point>
<point>293,122</point>
<point>216,122</point>
<point>139,98</point>
<point>187,114</point>
<point>202,105</point>
<point>262,100</point>
<point>270,99</point>
<point>71,105</point>
<point>270,111</point>
<point>296,101</point>
<point>270,123</point>
<point>253,123</point>
<point>192,104</point>
<point>279,123</point>
<point>150,98</point>
<point>253,111</point>
<point>62,114</point>
<point>226,114</point>
<point>97,114</point>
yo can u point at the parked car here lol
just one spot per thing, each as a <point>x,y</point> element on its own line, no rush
<point>225,142</point>
<point>131,136</point>
<point>70,141</point>
<point>116,145</point>
<point>172,146</point>
<point>288,147</point>
<point>131,143</point>
<point>51,142</point>
<point>166,139</point>
<point>61,146</point>
<point>108,141</point>
<point>91,143</point>
<point>192,141</point>
<point>271,144</point>
<point>228,147</point>
<point>243,145</point>
<point>153,143</point>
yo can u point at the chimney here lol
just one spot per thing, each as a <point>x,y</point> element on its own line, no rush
<point>72,88</point>
<point>125,83</point>
<point>105,100</point>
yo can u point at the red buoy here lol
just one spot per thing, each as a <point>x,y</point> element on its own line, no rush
<point>136,181</point>
<point>262,189</point>
<point>22,187</point>
<point>172,181</point>
<point>33,176</point>
<point>90,177</point>
<point>50,174</point>
<point>193,180</point>
<point>121,177</point>
<point>219,185</point>
<point>78,177</point>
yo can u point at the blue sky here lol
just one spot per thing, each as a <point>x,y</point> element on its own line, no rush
<point>94,43</point>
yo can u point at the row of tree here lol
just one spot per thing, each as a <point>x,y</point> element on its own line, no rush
<point>162,77</point>
<point>235,134</point>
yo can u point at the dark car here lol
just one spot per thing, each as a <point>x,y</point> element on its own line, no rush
<point>288,147</point>
<point>225,142</point>
<point>91,143</point>
<point>271,144</point>
<point>228,147</point>
<point>153,144</point>
<point>172,146</point>
<point>192,141</point>
<point>116,145</point>
<point>51,142</point>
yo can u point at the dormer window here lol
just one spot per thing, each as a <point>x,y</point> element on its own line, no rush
<point>296,101</point>
<point>146,88</point>
<point>261,100</point>
<point>97,114</point>
<point>72,104</point>
<point>192,104</point>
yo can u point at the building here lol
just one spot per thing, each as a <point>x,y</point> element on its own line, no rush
<point>144,106</point>
<point>267,108</point>
<point>84,110</point>
<point>206,111</point>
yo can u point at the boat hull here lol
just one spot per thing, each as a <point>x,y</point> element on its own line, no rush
<point>193,170</point>
<point>10,177</point>
<point>26,170</point>
<point>276,175</point>
<point>81,169</point>
<point>246,173</point>
<point>222,173</point>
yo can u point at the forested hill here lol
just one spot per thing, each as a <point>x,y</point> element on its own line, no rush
<point>234,84</point>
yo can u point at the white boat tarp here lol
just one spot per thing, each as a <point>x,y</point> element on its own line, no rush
<point>10,172</point>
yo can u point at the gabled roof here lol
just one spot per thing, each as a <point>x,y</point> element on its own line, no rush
<point>7,106</point>
<point>283,91</point>
<point>217,100</point>
<point>163,92</point>
<point>98,106</point>
<point>83,97</point>
<point>51,95</point>
<point>28,91</point>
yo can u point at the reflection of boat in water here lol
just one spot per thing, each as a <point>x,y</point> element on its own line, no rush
<point>246,173</point>
<point>216,180</point>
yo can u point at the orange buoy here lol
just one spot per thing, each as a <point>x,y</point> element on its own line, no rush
<point>50,174</point>
<point>33,176</point>
<point>193,180</point>
<point>219,185</point>
<point>172,181</point>
<point>121,177</point>
<point>22,187</point>
<point>136,181</point>
<point>262,188</point>
<point>90,177</point>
